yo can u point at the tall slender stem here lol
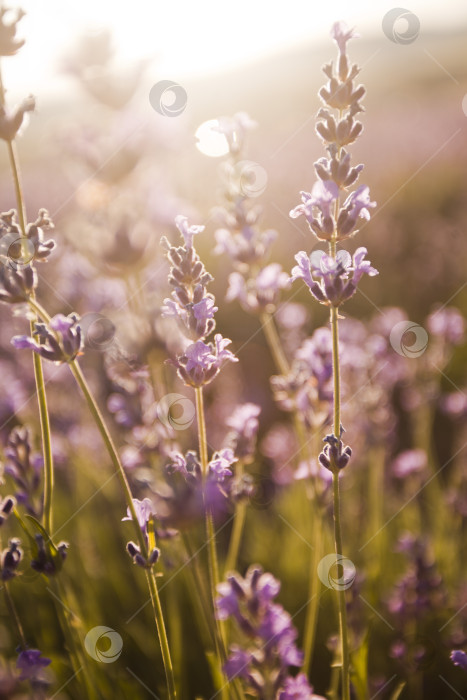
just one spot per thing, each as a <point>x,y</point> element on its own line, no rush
<point>213,563</point>
<point>210,532</point>
<point>151,579</point>
<point>275,345</point>
<point>337,507</point>
<point>38,371</point>
<point>237,528</point>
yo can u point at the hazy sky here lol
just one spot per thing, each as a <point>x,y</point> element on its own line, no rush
<point>199,36</point>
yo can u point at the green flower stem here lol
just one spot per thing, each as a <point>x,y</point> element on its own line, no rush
<point>213,563</point>
<point>274,343</point>
<point>78,660</point>
<point>112,450</point>
<point>10,603</point>
<point>150,576</point>
<point>337,506</point>
<point>237,529</point>
<point>311,618</point>
<point>38,372</point>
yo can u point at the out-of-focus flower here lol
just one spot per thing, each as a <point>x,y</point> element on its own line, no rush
<point>298,688</point>
<point>59,341</point>
<point>459,658</point>
<point>48,559</point>
<point>6,507</point>
<point>269,649</point>
<point>243,424</point>
<point>235,129</point>
<point>9,43</point>
<point>16,285</point>
<point>408,463</point>
<point>30,663</point>
<point>188,232</point>
<point>261,292</point>
<point>10,559</point>
<point>448,324</point>
<point>11,122</point>
<point>25,468</point>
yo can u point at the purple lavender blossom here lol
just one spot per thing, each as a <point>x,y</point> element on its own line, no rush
<point>59,341</point>
<point>335,284</point>
<point>243,424</point>
<point>144,511</point>
<point>322,197</point>
<point>30,663</point>
<point>221,462</point>
<point>16,285</point>
<point>459,658</point>
<point>187,231</point>
<point>356,205</point>
<point>269,649</point>
<point>201,362</point>
<point>298,688</point>
<point>258,292</point>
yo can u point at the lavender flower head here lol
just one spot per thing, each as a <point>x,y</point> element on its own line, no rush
<point>145,511</point>
<point>58,341</point>
<point>332,279</point>
<point>194,309</point>
<point>30,664</point>
<point>270,638</point>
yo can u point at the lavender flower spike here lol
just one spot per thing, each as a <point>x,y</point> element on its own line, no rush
<point>187,231</point>
<point>59,341</point>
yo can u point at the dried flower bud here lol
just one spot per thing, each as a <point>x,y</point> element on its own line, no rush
<point>9,44</point>
<point>10,122</point>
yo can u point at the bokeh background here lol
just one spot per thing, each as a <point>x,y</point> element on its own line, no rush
<point>114,172</point>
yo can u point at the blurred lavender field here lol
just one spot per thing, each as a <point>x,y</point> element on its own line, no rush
<point>114,167</point>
